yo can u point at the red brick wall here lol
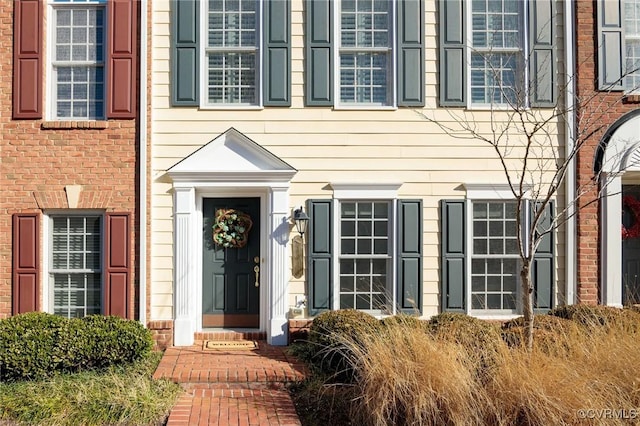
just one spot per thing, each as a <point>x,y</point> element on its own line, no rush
<point>39,158</point>
<point>598,110</point>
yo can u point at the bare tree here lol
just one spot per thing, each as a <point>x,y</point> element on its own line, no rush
<point>526,143</point>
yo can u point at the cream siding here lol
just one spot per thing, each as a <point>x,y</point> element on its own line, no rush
<point>324,145</point>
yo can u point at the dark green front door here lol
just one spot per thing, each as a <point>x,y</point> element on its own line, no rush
<point>231,276</point>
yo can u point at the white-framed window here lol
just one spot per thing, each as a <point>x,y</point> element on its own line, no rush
<point>365,57</point>
<point>78,34</point>
<point>365,265</point>
<point>494,257</point>
<point>496,49</point>
<point>75,264</point>
<point>632,45</point>
<point>232,64</point>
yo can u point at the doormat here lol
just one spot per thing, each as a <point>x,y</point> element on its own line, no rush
<point>230,344</point>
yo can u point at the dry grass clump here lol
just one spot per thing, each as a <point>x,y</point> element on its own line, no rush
<point>551,334</point>
<point>405,320</point>
<point>404,376</point>
<point>410,378</point>
<point>480,340</point>
<point>598,319</point>
<point>328,335</point>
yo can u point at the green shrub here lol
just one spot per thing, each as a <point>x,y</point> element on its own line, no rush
<point>29,345</point>
<point>332,333</point>
<point>38,345</point>
<point>113,340</point>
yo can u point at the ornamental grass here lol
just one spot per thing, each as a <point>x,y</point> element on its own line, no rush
<point>405,375</point>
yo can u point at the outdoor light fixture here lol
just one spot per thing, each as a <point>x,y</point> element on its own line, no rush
<point>301,219</point>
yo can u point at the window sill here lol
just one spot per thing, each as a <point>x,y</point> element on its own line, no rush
<point>231,108</point>
<point>631,99</point>
<point>72,125</point>
<point>364,108</point>
<point>494,317</point>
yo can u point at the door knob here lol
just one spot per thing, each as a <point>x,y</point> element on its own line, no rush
<point>256,269</point>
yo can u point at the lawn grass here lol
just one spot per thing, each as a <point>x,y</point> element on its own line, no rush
<point>121,395</point>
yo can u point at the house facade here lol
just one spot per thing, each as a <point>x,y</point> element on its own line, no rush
<point>349,111</point>
<point>69,223</point>
<point>608,170</point>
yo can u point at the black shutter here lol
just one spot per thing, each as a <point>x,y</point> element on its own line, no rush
<point>277,53</point>
<point>453,261</point>
<point>410,53</point>
<point>184,52</point>
<point>453,65</point>
<point>409,262</point>
<point>320,262</point>
<point>542,269</point>
<point>318,53</point>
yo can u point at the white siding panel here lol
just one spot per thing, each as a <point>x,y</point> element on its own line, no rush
<point>327,145</point>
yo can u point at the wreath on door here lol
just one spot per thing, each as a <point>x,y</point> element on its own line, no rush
<point>633,205</point>
<point>231,228</point>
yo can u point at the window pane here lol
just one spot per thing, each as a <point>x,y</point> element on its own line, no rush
<point>363,301</point>
<point>495,24</point>
<point>479,246</point>
<point>495,229</point>
<point>379,266</point>
<point>348,210</point>
<point>364,78</point>
<point>632,42</point>
<point>480,229</point>
<point>346,301</point>
<point>346,284</point>
<point>494,284</point>
<point>364,210</point>
<point>380,228</point>
<point>361,274</point>
<point>76,246</point>
<point>365,229</point>
<point>348,228</point>
<point>364,247</point>
<point>494,262</point>
<point>347,266</point>
<point>477,301</point>
<point>363,285</point>
<point>477,284</point>
<point>232,75</point>
<point>494,301</point>
<point>79,36</point>
<point>380,246</point>
<point>363,266</point>
<point>232,78</point>
<point>479,210</point>
<point>348,246</point>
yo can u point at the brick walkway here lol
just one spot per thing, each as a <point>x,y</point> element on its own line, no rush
<point>232,387</point>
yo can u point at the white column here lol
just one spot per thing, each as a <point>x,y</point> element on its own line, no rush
<point>277,332</point>
<point>184,325</point>
<point>612,241</point>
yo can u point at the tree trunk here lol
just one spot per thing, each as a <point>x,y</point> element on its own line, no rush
<point>527,303</point>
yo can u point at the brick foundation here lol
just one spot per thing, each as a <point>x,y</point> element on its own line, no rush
<point>299,329</point>
<point>162,332</point>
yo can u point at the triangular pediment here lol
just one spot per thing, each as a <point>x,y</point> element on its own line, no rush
<point>231,156</point>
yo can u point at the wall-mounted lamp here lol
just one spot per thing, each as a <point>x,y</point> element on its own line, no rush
<point>301,220</point>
